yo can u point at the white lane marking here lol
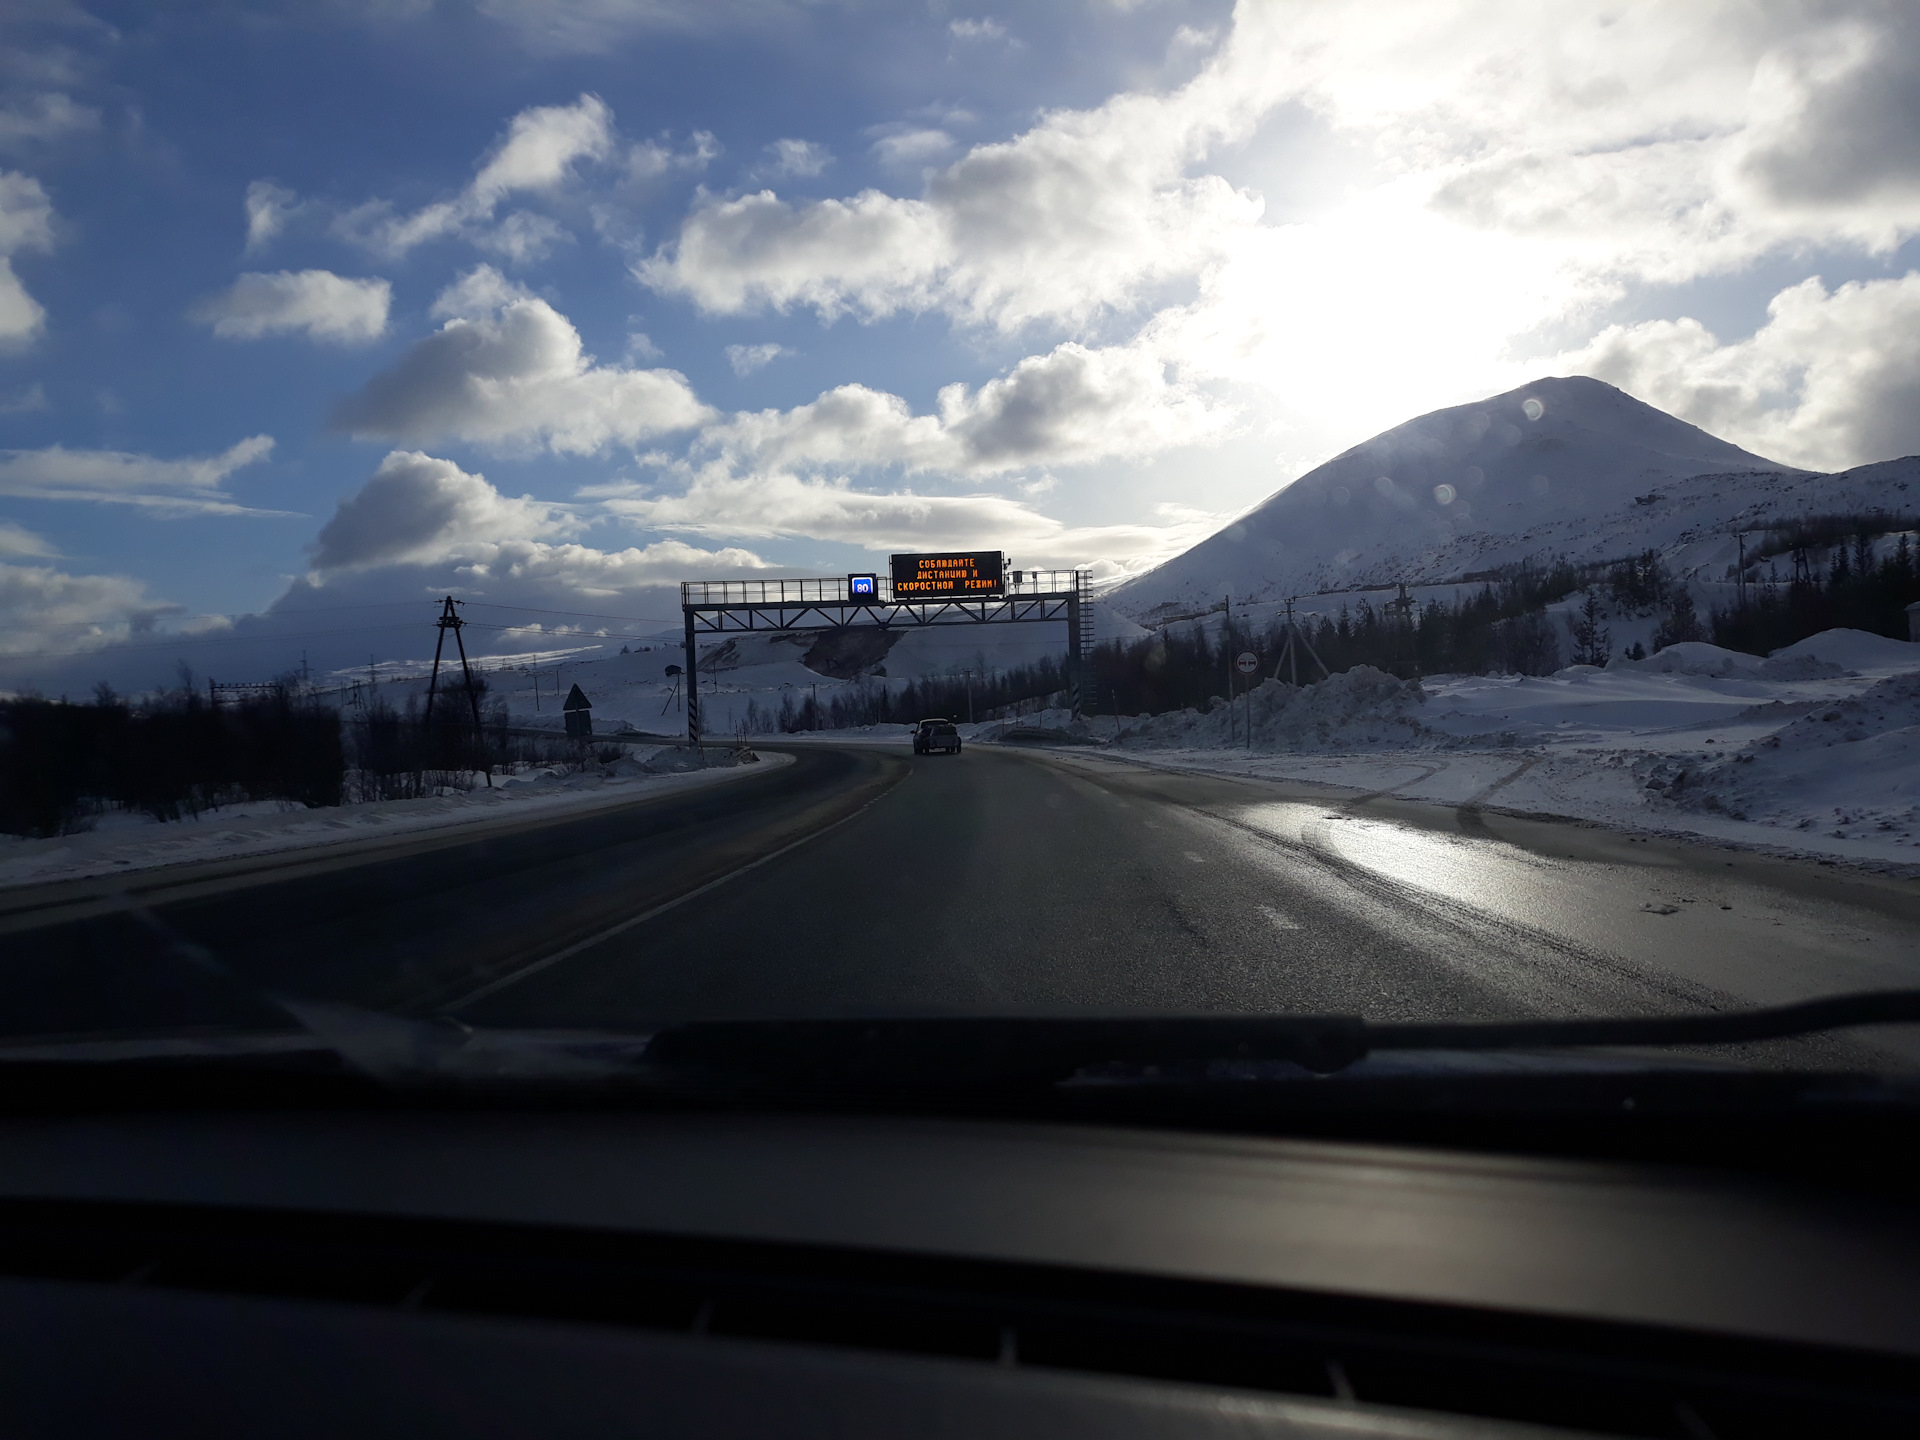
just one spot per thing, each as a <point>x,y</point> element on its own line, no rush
<point>1278,919</point>
<point>1196,857</point>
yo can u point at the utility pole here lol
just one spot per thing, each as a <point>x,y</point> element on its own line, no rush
<point>450,620</point>
<point>969,675</point>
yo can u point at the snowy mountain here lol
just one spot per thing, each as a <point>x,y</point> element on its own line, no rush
<point>1559,465</point>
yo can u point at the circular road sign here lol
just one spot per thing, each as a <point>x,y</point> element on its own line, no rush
<point>1246,662</point>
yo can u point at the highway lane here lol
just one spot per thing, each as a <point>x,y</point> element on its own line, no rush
<point>401,928</point>
<point>866,880</point>
<point>1015,881</point>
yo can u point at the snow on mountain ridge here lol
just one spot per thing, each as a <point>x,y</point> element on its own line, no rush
<point>1457,490</point>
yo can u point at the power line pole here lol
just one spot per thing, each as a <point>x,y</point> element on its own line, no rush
<point>450,620</point>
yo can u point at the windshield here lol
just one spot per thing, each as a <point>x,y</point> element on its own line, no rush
<point>528,527</point>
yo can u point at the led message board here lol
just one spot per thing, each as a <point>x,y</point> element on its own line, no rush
<point>949,577</point>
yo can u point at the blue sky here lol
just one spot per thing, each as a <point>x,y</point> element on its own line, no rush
<point>310,307</point>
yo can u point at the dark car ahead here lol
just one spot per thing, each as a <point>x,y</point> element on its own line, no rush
<point>932,735</point>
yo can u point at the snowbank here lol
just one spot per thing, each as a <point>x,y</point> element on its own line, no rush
<point>241,832</point>
<point>1691,657</point>
<point>1843,768</point>
<point>1853,650</point>
<point>1362,709</point>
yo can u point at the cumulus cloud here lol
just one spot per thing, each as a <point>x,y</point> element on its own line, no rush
<point>1079,213</point>
<point>44,608</point>
<point>650,159</point>
<point>318,303</point>
<point>786,472</point>
<point>523,238</point>
<point>1831,380</point>
<point>268,207</point>
<point>720,502</point>
<point>1087,211</point>
<point>800,158</point>
<point>508,370</point>
<point>745,359</point>
<point>119,477</point>
<point>416,507</point>
<point>1456,177</point>
<point>44,118</point>
<point>1071,406</point>
<point>539,152</point>
<point>26,223</point>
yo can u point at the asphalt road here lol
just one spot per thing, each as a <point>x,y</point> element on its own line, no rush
<point>865,880</point>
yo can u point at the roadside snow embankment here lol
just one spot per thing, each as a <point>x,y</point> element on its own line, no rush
<point>1845,769</point>
<point>129,844</point>
<point>1814,750</point>
<point>1360,709</point>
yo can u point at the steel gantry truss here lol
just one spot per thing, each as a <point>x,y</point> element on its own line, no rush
<point>730,607</point>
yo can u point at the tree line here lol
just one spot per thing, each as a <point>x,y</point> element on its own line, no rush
<point>177,755</point>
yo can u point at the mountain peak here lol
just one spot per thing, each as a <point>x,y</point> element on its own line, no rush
<point>1446,492</point>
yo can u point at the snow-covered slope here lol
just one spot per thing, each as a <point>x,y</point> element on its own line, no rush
<point>1559,464</point>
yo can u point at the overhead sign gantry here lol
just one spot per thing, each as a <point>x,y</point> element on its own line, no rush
<point>974,587</point>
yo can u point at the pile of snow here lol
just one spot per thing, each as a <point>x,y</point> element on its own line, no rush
<point>1362,709</point>
<point>1845,767</point>
<point>1692,657</point>
<point>1845,650</point>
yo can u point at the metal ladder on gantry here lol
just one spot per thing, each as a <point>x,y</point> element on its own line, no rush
<point>736,607</point>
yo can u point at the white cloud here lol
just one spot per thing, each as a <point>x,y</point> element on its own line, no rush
<point>416,507</point>
<point>190,486</point>
<point>982,29</point>
<point>17,542</point>
<point>1083,213</point>
<point>650,159</point>
<point>44,118</point>
<point>423,524</point>
<point>1445,181</point>
<point>523,238</point>
<point>539,153</point>
<point>745,359</point>
<point>508,371</point>
<point>1831,380</point>
<point>541,147</point>
<point>43,608</point>
<point>318,303</point>
<point>720,503</point>
<point>911,149</point>
<point>1072,406</point>
<point>26,223</point>
<point>800,158</point>
<point>268,207</point>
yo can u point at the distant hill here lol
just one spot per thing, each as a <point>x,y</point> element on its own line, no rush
<point>1559,465</point>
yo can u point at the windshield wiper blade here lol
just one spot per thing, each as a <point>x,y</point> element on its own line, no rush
<point>1011,1050</point>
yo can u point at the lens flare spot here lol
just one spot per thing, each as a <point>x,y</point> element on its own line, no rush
<point>1533,408</point>
<point>1444,494</point>
<point>1383,484</point>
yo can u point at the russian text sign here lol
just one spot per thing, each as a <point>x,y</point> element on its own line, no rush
<point>948,577</point>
